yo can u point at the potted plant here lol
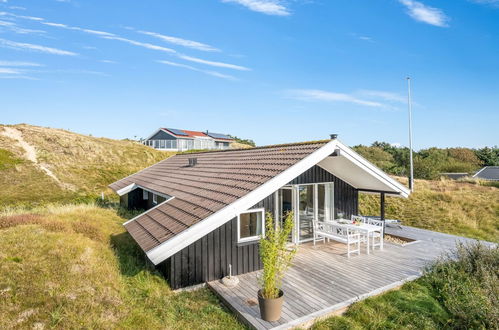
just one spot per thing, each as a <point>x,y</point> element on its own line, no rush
<point>276,257</point>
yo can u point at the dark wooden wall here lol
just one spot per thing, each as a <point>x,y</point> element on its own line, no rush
<point>134,200</point>
<point>346,197</point>
<point>161,135</point>
<point>208,258</point>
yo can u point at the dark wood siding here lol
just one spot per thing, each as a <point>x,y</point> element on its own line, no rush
<point>346,197</point>
<point>208,258</point>
<point>161,135</point>
<point>134,200</point>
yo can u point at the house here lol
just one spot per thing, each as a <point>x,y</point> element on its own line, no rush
<point>172,139</point>
<point>488,173</point>
<point>205,212</point>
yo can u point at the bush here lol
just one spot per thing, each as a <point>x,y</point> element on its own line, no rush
<point>275,255</point>
<point>466,283</point>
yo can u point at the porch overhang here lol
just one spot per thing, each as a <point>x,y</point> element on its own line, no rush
<point>355,170</point>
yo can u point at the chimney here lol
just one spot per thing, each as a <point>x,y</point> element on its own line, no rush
<point>193,161</point>
<point>333,136</point>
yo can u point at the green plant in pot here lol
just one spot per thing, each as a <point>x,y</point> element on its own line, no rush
<point>276,257</point>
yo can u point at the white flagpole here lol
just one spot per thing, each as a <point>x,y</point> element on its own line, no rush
<point>411,176</point>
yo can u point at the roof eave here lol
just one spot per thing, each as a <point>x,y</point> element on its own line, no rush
<point>212,222</point>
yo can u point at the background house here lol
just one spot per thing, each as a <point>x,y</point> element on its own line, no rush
<point>172,139</point>
<point>488,173</point>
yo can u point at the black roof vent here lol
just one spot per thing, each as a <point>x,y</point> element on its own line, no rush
<point>193,161</point>
<point>333,136</point>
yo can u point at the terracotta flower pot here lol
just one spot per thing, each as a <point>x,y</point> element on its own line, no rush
<point>270,309</point>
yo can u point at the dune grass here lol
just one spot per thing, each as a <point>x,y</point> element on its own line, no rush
<point>454,207</point>
<point>459,291</point>
<point>84,165</point>
<point>74,266</point>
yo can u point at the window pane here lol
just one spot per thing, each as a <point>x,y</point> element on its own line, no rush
<point>250,224</point>
<point>306,211</point>
<point>325,201</point>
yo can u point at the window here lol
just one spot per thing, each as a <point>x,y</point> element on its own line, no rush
<point>325,202</point>
<point>155,199</point>
<point>250,225</point>
<point>145,195</point>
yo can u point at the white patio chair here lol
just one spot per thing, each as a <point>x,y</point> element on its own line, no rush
<point>359,218</point>
<point>377,237</point>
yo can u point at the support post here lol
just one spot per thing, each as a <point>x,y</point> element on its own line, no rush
<point>382,207</point>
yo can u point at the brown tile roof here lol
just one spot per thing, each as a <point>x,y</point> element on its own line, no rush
<point>218,179</point>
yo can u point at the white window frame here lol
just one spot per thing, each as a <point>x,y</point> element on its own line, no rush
<point>154,198</point>
<point>251,238</point>
<point>145,195</point>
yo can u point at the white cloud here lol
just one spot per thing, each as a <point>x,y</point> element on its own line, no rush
<point>141,44</point>
<point>75,28</point>
<point>208,72</point>
<point>9,71</point>
<point>111,36</point>
<point>269,7</point>
<point>213,63</point>
<point>31,18</point>
<point>36,48</point>
<point>365,38</point>
<point>11,26</point>
<point>18,64</point>
<point>387,96</point>
<point>426,14</point>
<point>182,42</point>
<point>326,96</point>
<point>493,3</point>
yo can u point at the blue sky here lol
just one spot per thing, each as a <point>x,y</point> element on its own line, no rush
<point>274,71</point>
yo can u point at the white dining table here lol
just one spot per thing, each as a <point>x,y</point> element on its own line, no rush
<point>363,227</point>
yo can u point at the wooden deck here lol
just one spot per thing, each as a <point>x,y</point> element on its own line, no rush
<point>323,280</point>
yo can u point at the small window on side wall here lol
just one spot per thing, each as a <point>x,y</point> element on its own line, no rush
<point>145,195</point>
<point>155,199</point>
<point>250,225</point>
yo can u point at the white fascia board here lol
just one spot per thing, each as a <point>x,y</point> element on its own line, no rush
<point>133,186</point>
<point>152,208</point>
<point>126,190</point>
<point>202,228</point>
<point>373,170</point>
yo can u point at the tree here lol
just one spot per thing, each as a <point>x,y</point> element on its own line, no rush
<point>488,156</point>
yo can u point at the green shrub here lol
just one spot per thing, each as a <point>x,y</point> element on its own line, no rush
<point>466,283</point>
<point>276,256</point>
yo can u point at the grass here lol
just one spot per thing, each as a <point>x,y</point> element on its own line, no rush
<point>74,266</point>
<point>85,165</point>
<point>8,160</point>
<point>454,207</point>
<point>460,291</point>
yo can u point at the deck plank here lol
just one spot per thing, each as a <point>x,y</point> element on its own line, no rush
<point>323,280</point>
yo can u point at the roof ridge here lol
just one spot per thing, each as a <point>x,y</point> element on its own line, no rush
<point>254,148</point>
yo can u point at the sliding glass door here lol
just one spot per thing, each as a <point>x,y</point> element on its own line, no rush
<point>309,202</point>
<point>306,212</point>
<point>325,201</point>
